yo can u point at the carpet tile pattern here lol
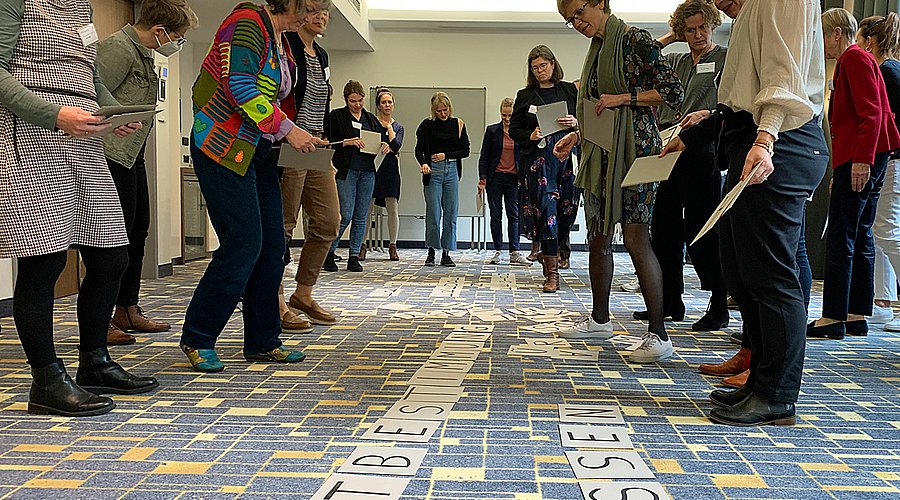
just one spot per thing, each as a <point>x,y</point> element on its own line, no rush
<point>257,431</point>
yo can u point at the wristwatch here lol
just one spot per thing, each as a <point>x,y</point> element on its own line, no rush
<point>634,98</point>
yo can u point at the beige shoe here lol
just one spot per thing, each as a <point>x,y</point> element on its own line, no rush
<point>316,314</point>
<point>291,322</point>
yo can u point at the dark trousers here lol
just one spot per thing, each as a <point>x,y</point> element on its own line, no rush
<point>759,239</point>
<point>850,246</point>
<point>246,214</point>
<point>134,195</point>
<point>504,189</point>
<point>33,300</point>
<point>694,190</point>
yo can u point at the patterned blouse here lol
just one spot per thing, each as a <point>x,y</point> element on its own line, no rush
<point>646,68</point>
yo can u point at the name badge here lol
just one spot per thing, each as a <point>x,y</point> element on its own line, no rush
<point>88,34</point>
<point>327,73</point>
<point>532,109</point>
<point>357,125</point>
<point>830,84</point>
<point>703,68</point>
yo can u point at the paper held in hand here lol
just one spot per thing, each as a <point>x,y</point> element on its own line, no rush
<point>727,203</point>
<point>320,159</point>
<point>547,116</point>
<point>372,141</point>
<point>650,169</point>
<point>599,129</point>
<point>670,133</point>
<point>116,116</point>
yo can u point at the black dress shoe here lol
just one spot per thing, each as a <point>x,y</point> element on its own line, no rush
<point>730,398</point>
<point>755,410</point>
<point>329,264</point>
<point>353,265</point>
<point>53,392</point>
<point>711,321</point>
<point>673,314</point>
<point>101,375</point>
<point>858,328</point>
<point>834,331</point>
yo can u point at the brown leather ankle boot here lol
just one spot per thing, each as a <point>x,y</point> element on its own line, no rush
<point>115,336</point>
<point>737,364</point>
<point>737,381</point>
<point>551,273</point>
<point>392,252</point>
<point>132,318</point>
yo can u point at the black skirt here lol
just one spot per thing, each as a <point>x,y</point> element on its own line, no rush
<point>387,180</point>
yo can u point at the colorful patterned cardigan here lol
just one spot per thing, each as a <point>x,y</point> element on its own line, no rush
<point>236,91</point>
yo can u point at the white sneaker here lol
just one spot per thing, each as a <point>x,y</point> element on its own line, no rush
<point>893,326</point>
<point>880,315</point>
<point>633,286</point>
<point>651,350</point>
<point>496,258</point>
<point>587,328</point>
<point>517,259</point>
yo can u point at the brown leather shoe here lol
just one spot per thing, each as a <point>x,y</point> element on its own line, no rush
<point>563,263</point>
<point>551,273</point>
<point>737,381</point>
<point>362,253</point>
<point>535,251</point>
<point>392,251</point>
<point>316,314</point>
<point>737,364</point>
<point>132,319</point>
<point>291,322</point>
<point>115,336</point>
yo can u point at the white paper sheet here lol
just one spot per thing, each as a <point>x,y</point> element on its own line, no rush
<point>726,204</point>
<point>547,116</point>
<point>650,169</point>
<point>372,141</point>
<point>117,120</point>
<point>599,129</point>
<point>320,159</point>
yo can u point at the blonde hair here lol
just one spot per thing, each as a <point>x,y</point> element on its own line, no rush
<point>833,19</point>
<point>507,102</point>
<point>436,100</point>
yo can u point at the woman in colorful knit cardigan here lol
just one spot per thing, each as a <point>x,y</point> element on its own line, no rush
<point>241,106</point>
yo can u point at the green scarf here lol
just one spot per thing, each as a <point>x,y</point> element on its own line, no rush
<point>611,70</point>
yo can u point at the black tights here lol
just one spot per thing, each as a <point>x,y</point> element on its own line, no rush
<point>550,247</point>
<point>33,299</point>
<point>637,242</point>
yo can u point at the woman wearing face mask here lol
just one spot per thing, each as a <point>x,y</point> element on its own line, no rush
<point>441,144</point>
<point>245,76</point>
<point>387,179</point>
<point>57,193</point>
<point>355,169</point>
<point>125,63</point>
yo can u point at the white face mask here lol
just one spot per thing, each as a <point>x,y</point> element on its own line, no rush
<point>171,47</point>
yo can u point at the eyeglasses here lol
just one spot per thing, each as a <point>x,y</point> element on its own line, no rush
<point>539,67</point>
<point>570,22</point>
<point>179,39</point>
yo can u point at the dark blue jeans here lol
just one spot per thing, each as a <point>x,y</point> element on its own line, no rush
<point>504,188</point>
<point>246,214</point>
<point>849,286</point>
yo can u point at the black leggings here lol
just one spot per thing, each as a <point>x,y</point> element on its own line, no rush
<point>33,299</point>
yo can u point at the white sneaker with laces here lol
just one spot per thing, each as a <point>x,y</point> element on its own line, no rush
<point>633,286</point>
<point>587,328</point>
<point>517,259</point>
<point>880,315</point>
<point>893,326</point>
<point>496,258</point>
<point>651,350</point>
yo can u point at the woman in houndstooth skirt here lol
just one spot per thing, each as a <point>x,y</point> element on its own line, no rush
<point>56,193</point>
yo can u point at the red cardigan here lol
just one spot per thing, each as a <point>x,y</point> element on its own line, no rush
<point>860,116</point>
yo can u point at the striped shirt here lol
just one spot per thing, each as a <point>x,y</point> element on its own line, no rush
<point>311,113</point>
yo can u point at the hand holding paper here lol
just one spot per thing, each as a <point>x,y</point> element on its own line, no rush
<point>726,204</point>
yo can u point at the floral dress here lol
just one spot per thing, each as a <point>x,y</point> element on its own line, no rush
<point>646,68</point>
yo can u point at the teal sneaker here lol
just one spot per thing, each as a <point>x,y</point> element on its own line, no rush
<point>277,355</point>
<point>203,360</point>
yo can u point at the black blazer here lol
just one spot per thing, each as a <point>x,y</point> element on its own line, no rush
<point>491,150</point>
<point>424,150</point>
<point>523,123</point>
<point>340,128</point>
<point>297,49</point>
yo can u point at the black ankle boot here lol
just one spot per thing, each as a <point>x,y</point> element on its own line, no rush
<point>100,374</point>
<point>54,393</point>
<point>711,321</point>
<point>353,264</point>
<point>730,398</point>
<point>329,264</point>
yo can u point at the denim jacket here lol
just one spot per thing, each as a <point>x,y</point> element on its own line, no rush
<point>128,71</point>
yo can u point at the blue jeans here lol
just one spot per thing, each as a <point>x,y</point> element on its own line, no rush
<point>246,214</point>
<point>504,187</point>
<point>442,200</point>
<point>355,193</point>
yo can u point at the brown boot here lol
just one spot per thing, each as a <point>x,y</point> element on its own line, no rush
<point>115,336</point>
<point>738,380</point>
<point>132,319</point>
<point>551,273</point>
<point>738,363</point>
<point>535,251</point>
<point>362,253</point>
<point>392,251</point>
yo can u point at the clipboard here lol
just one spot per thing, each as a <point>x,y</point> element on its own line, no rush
<point>547,116</point>
<point>599,129</point>
<point>107,111</point>
<point>650,169</point>
<point>726,204</point>
<point>372,140</point>
<point>320,159</point>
